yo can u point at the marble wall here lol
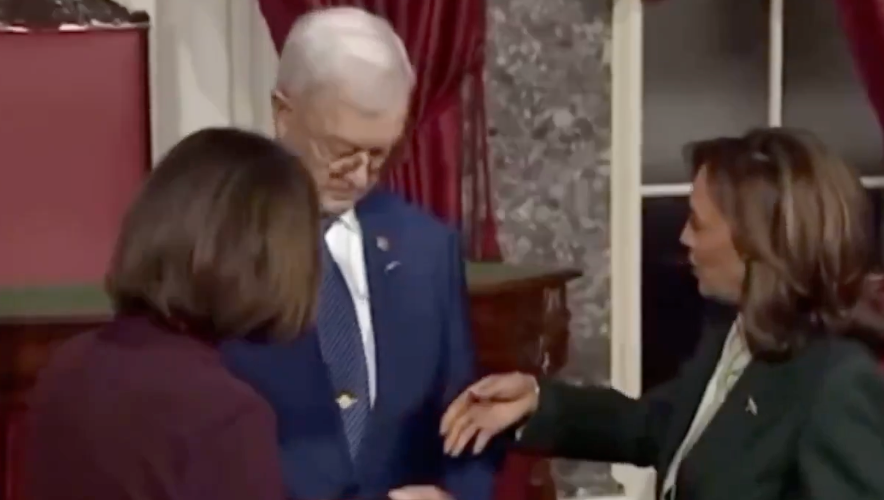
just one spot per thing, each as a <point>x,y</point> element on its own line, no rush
<point>549,105</point>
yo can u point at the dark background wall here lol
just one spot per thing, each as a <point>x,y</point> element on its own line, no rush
<point>705,75</point>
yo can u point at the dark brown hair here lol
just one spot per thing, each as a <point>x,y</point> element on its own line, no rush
<point>800,218</point>
<point>222,239</point>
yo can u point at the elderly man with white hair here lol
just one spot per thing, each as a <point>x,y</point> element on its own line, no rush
<point>359,398</point>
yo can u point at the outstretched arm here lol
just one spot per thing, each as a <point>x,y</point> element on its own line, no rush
<point>598,423</point>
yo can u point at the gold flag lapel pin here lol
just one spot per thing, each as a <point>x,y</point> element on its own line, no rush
<point>751,407</point>
<point>345,400</point>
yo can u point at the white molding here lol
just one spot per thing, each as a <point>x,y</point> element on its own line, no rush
<point>684,188</point>
<point>626,164</point>
<point>873,181</point>
<point>775,64</point>
<point>666,190</point>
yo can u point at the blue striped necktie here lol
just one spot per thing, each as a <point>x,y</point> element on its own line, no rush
<point>340,339</point>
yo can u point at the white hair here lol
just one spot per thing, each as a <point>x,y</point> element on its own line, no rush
<point>351,49</point>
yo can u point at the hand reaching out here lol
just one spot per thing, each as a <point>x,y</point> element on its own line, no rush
<point>419,493</point>
<point>486,408</point>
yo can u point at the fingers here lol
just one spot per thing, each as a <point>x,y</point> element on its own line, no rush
<point>461,432</point>
<point>482,439</point>
<point>483,410</point>
<point>419,493</point>
<point>455,411</point>
<point>487,388</point>
<point>503,387</point>
<point>477,425</point>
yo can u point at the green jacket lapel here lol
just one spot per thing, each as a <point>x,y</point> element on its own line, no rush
<point>763,395</point>
<point>694,377</point>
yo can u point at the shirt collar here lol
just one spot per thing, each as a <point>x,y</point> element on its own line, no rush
<point>348,220</point>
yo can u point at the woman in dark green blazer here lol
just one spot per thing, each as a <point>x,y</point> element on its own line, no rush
<point>782,401</point>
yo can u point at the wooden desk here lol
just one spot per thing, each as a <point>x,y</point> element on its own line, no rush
<point>519,315</point>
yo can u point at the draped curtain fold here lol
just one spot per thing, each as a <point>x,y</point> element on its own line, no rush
<point>443,166</point>
<point>863,23</point>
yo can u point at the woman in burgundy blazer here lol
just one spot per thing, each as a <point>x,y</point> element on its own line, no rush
<point>221,242</point>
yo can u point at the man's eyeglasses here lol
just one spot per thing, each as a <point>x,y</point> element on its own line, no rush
<point>343,161</point>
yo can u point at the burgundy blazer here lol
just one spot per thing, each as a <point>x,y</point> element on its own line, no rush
<point>138,412</point>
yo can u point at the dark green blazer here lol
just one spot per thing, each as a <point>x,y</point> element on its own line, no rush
<point>808,428</point>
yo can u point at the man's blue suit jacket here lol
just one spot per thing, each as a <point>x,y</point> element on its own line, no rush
<point>425,358</point>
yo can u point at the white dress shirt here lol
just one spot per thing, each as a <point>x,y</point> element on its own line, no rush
<point>344,240</point>
<point>735,356</point>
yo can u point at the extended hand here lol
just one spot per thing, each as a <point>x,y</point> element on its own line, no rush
<point>419,493</point>
<point>486,408</point>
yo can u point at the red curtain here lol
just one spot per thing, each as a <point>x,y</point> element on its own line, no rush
<point>444,165</point>
<point>863,22</point>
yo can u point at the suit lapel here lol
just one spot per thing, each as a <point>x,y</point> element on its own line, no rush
<point>765,391</point>
<point>760,396</point>
<point>382,251</point>
<point>717,322</point>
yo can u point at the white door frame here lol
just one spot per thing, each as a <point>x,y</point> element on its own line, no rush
<point>626,166</point>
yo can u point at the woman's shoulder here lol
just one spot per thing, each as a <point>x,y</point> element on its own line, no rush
<point>175,380</point>
<point>212,397</point>
<point>825,363</point>
<point>848,353</point>
<point>226,394</point>
<point>848,368</point>
<point>847,400</point>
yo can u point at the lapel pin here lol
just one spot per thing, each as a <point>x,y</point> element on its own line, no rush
<point>383,243</point>
<point>392,265</point>
<point>345,401</point>
<point>751,407</point>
